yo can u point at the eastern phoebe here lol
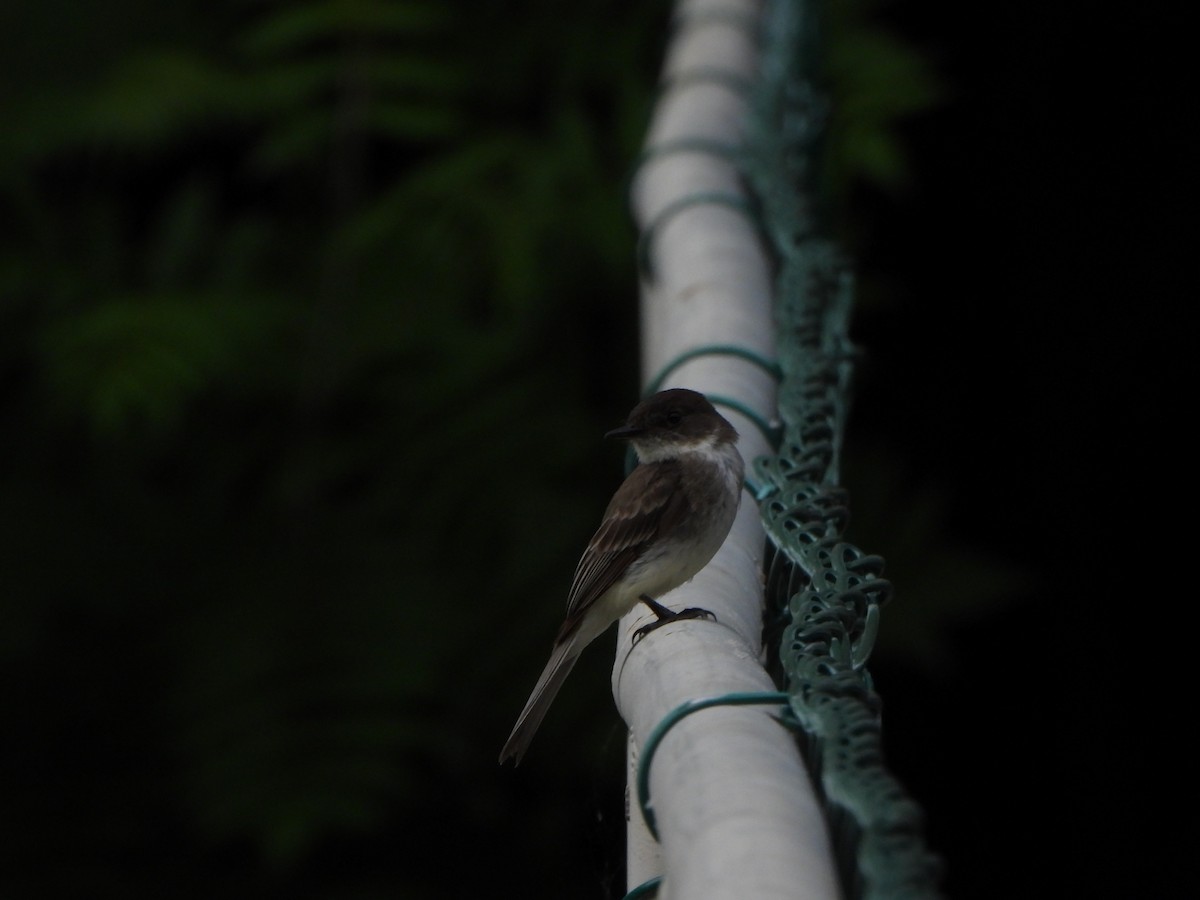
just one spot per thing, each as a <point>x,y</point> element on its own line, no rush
<point>663,525</point>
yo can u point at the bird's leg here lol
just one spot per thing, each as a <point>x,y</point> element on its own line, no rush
<point>667,615</point>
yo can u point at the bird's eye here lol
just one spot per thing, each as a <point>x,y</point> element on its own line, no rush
<point>674,417</point>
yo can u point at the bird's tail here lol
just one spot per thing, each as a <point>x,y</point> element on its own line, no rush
<point>562,660</point>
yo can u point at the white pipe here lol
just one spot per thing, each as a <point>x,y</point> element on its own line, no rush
<point>734,805</point>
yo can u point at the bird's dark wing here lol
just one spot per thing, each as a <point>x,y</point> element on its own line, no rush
<point>646,504</point>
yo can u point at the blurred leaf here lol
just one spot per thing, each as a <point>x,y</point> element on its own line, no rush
<point>413,122</point>
<point>299,25</point>
<point>157,96</point>
<point>187,221</point>
<point>136,360</point>
<point>877,80</point>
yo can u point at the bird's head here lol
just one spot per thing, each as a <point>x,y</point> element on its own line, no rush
<point>672,422</point>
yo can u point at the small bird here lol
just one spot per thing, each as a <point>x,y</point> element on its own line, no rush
<point>664,523</point>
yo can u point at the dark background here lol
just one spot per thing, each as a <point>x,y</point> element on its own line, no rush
<point>311,318</point>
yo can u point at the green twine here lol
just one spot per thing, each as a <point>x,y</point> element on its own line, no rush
<point>715,198</point>
<point>645,889</point>
<point>673,718</point>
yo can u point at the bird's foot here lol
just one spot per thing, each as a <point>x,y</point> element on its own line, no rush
<point>666,615</point>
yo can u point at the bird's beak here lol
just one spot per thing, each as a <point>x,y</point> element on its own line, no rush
<point>625,432</point>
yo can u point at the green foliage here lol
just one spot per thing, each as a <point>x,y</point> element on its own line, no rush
<point>135,358</point>
<point>877,81</point>
<point>293,300</point>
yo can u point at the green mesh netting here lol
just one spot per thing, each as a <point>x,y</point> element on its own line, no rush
<point>827,592</point>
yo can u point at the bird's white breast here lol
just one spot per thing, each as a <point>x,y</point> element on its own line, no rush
<point>714,497</point>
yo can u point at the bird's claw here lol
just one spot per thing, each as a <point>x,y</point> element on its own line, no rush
<point>692,612</point>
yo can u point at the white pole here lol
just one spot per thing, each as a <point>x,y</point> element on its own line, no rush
<point>734,806</point>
